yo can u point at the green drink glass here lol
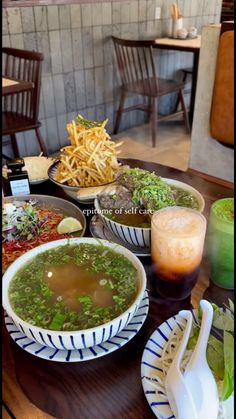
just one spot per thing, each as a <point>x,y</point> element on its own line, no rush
<point>220,243</point>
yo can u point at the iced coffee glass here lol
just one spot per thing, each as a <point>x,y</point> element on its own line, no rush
<point>177,242</point>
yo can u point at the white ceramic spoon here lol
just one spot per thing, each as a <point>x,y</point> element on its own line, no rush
<point>179,396</point>
<point>198,376</point>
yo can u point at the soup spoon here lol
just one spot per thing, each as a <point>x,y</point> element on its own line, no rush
<point>198,376</point>
<point>179,396</point>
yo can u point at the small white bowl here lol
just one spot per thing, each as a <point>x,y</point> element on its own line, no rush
<point>140,236</point>
<point>192,32</point>
<point>36,167</point>
<point>182,33</point>
<point>77,339</point>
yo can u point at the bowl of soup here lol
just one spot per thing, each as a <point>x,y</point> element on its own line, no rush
<point>132,224</point>
<point>73,293</point>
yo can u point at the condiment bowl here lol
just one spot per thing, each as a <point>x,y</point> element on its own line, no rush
<point>141,236</point>
<point>77,339</point>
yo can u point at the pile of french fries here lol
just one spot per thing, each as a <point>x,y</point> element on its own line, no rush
<point>91,157</point>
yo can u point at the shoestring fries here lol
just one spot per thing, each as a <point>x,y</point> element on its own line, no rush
<point>91,157</point>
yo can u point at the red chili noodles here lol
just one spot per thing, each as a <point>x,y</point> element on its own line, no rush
<point>11,250</point>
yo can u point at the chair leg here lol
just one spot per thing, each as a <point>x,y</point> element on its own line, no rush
<point>149,107</point>
<point>178,97</point>
<point>14,145</point>
<point>177,103</point>
<point>119,112</point>
<point>41,142</point>
<point>154,119</point>
<point>185,112</point>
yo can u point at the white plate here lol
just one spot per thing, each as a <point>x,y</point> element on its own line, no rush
<point>78,355</point>
<point>99,231</point>
<point>151,367</point>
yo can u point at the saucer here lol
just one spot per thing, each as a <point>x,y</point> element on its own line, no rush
<point>78,355</point>
<point>99,231</point>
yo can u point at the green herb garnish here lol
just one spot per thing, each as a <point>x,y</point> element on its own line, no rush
<point>87,123</point>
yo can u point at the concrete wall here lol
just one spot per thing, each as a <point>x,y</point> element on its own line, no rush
<point>79,70</point>
<point>207,155</point>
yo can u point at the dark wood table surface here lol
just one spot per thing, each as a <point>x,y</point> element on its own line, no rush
<point>18,87</point>
<point>108,387</point>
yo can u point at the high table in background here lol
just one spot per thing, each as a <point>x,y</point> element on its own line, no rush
<point>110,386</point>
<point>185,45</point>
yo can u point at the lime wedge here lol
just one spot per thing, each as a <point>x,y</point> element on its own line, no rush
<point>69,225</point>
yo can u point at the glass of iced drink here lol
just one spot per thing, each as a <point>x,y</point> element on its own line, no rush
<point>220,242</point>
<point>177,242</point>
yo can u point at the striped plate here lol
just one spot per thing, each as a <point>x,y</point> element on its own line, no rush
<point>151,367</point>
<point>51,354</point>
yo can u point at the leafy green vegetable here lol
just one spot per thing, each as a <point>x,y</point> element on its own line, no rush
<point>24,221</point>
<point>153,192</point>
<point>184,198</point>
<point>149,189</point>
<point>215,357</point>
<point>231,305</point>
<point>222,320</point>
<point>228,383</point>
<point>87,123</point>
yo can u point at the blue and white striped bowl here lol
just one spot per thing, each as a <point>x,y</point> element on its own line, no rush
<point>140,236</point>
<point>136,236</point>
<point>73,339</point>
<point>80,355</point>
<point>152,374</point>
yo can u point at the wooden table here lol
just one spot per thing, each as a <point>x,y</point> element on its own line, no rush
<point>187,45</point>
<point>12,86</point>
<point>110,386</point>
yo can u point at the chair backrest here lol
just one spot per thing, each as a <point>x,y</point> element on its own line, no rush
<point>136,63</point>
<point>23,65</point>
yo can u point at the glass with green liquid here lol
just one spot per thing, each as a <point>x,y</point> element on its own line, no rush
<point>220,243</point>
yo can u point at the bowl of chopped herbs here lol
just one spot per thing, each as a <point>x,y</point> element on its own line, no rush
<point>127,211</point>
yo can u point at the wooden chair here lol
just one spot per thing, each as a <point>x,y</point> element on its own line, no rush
<point>20,111</point>
<point>186,72</point>
<point>138,76</point>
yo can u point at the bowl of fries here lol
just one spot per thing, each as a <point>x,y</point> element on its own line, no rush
<point>89,163</point>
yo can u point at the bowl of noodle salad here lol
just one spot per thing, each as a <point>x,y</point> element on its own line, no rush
<point>162,346</point>
<point>31,220</point>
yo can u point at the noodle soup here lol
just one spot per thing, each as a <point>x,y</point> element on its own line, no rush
<point>74,287</point>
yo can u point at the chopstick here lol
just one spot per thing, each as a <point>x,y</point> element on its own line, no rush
<point>175,11</point>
